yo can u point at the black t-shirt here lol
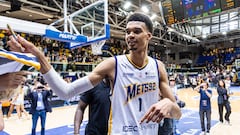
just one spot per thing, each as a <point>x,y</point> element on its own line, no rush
<point>99,108</point>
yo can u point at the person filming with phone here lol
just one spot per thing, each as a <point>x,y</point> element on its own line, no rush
<point>204,106</point>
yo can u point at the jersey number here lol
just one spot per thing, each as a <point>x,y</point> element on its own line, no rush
<point>140,104</point>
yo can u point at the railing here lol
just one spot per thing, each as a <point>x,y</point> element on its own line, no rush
<point>71,66</point>
<point>88,67</point>
<point>189,71</point>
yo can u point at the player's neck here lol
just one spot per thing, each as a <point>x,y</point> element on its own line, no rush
<point>139,60</point>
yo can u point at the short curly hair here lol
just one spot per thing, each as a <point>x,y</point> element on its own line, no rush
<point>142,18</point>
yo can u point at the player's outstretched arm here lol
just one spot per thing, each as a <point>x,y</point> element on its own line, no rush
<point>67,90</point>
<point>63,89</point>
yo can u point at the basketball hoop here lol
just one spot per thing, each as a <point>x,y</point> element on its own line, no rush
<point>86,33</point>
<point>97,47</point>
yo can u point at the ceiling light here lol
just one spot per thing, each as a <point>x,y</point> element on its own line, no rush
<point>127,5</point>
<point>153,16</point>
<point>204,36</point>
<point>145,9</point>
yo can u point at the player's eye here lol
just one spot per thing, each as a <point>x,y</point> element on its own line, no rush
<point>137,31</point>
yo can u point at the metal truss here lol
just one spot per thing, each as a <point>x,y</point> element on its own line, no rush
<point>163,35</point>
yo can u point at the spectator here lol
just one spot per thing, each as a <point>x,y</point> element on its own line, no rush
<point>18,102</point>
<point>223,102</point>
<point>205,106</point>
<point>39,106</point>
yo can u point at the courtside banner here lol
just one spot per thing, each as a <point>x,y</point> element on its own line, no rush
<point>24,58</point>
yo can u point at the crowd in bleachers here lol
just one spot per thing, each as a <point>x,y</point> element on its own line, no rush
<point>219,56</point>
<point>210,74</point>
<point>57,52</point>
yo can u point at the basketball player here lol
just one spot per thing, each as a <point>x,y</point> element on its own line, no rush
<point>136,82</point>
<point>99,108</point>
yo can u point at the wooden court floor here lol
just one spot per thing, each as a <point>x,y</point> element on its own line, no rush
<point>64,116</point>
<point>192,102</point>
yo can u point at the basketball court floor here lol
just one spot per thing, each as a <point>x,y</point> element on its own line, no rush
<point>60,121</point>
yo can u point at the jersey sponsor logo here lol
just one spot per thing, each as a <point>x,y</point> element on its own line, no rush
<point>135,90</point>
<point>124,65</point>
<point>128,74</point>
<point>136,128</point>
<point>150,74</point>
<point>130,128</point>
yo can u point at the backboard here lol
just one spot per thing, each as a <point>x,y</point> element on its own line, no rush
<point>85,26</point>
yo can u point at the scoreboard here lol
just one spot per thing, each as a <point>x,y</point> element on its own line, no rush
<point>228,4</point>
<point>181,10</point>
<point>178,11</point>
<point>200,8</point>
<point>168,12</point>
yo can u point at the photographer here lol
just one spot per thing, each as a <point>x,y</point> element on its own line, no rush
<point>39,105</point>
<point>204,106</point>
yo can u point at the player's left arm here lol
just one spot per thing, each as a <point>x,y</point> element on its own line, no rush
<point>166,91</point>
<point>166,107</point>
<point>164,83</point>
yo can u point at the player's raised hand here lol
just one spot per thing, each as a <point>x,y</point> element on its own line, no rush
<point>16,45</point>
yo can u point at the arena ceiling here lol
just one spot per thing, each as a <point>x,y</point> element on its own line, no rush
<point>46,12</point>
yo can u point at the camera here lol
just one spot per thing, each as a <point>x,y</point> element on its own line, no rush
<point>41,80</point>
<point>181,104</point>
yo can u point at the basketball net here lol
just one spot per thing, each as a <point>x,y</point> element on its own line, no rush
<point>97,47</point>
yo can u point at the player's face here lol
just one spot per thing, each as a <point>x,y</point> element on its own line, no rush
<point>137,36</point>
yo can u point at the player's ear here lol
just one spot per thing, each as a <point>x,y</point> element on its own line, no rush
<point>149,35</point>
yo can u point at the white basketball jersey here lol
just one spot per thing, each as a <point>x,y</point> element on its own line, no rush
<point>134,91</point>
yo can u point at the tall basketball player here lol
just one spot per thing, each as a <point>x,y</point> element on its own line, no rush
<point>136,81</point>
